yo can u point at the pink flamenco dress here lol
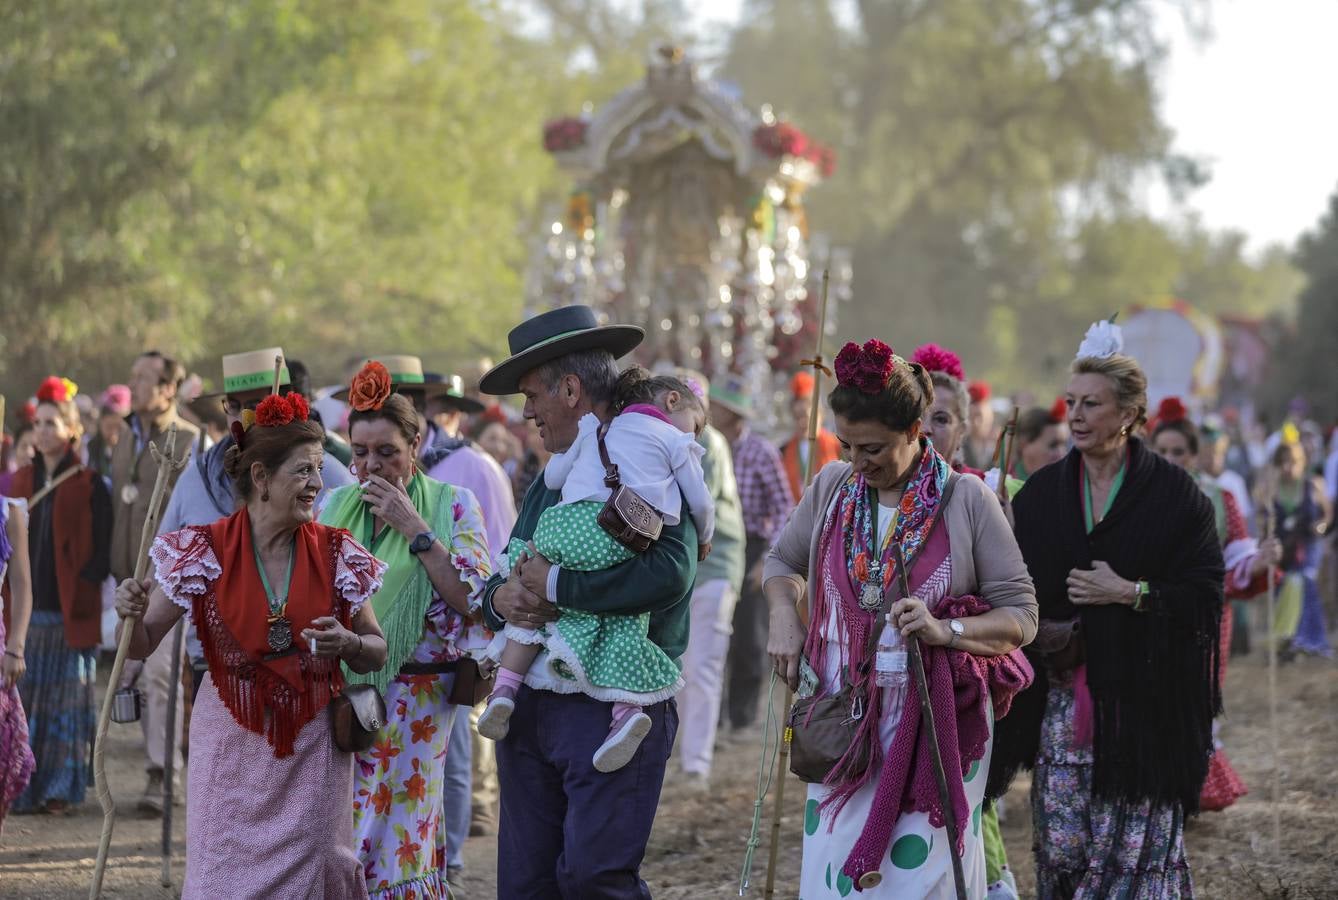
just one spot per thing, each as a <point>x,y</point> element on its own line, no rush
<point>269,797</point>
<point>1222,786</point>
<point>16,757</point>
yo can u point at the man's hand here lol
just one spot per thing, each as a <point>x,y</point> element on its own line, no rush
<point>703,551</point>
<point>521,607</point>
<point>532,570</point>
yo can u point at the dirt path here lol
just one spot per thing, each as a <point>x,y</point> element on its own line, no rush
<point>697,848</point>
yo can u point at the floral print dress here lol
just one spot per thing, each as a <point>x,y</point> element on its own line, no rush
<point>397,795</point>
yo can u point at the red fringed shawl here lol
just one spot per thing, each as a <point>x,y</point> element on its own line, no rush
<point>270,694</point>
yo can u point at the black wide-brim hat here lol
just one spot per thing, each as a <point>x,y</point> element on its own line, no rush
<point>549,335</point>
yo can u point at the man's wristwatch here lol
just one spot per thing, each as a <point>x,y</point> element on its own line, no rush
<point>957,629</point>
<point>422,543</point>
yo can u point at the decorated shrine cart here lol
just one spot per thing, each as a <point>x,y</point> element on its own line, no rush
<point>687,218</point>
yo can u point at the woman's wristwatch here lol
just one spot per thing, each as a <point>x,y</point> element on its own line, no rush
<point>1141,590</point>
<point>422,543</point>
<point>958,629</point>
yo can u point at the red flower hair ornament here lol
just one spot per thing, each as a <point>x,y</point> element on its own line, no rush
<point>281,409</point>
<point>1059,412</point>
<point>55,389</point>
<point>274,411</point>
<point>370,387</point>
<point>867,369</point>
<point>1171,409</point>
<point>939,359</point>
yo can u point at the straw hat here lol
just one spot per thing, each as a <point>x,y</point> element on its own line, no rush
<point>252,370</point>
<point>731,392</point>
<point>454,394</point>
<point>406,375</point>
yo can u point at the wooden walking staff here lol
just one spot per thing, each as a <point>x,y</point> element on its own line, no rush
<point>167,464</point>
<point>917,668</point>
<point>1005,447</point>
<point>1270,526</point>
<point>814,420</point>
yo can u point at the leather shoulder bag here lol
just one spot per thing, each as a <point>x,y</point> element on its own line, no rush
<point>823,727</point>
<point>626,516</point>
<point>356,716</point>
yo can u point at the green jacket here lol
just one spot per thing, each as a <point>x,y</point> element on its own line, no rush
<point>658,581</point>
<point>727,548</point>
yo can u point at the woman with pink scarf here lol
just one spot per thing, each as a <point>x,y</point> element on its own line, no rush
<point>972,606</point>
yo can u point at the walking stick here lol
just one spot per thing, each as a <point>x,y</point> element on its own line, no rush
<point>1270,525</point>
<point>927,717</point>
<point>167,463</point>
<point>814,419</point>
<point>169,750</point>
<point>1009,457</point>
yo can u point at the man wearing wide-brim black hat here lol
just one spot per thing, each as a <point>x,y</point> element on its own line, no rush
<point>568,830</point>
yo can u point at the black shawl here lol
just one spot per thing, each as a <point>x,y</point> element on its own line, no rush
<point>1153,672</point>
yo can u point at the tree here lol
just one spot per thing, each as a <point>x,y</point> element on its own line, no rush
<point>103,107</point>
<point>974,141</point>
<point>202,175</point>
<point>1306,358</point>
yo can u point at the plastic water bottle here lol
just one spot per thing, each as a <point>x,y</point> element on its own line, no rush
<point>889,662</point>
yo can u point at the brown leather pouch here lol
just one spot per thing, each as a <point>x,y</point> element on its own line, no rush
<point>356,716</point>
<point>822,730</point>
<point>627,518</point>
<point>470,688</point>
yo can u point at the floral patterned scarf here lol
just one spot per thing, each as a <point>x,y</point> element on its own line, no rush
<point>855,510</point>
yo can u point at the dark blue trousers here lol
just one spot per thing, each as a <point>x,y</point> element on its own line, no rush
<point>567,830</point>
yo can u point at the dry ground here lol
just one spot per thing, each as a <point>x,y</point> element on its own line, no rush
<point>697,848</point>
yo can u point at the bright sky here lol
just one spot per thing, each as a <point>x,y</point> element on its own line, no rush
<point>1258,101</point>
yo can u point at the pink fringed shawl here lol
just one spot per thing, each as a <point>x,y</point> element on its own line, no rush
<point>959,686</point>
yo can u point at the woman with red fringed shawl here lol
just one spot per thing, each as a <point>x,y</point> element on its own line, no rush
<point>279,602</point>
<point>882,829</point>
<point>1176,439</point>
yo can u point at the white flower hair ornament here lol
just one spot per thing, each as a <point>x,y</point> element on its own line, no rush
<point>1104,339</point>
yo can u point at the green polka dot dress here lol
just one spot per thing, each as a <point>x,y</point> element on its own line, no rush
<point>918,862</point>
<point>605,657</point>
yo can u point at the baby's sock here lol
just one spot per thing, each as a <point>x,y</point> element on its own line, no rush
<point>508,683</point>
<point>623,710</point>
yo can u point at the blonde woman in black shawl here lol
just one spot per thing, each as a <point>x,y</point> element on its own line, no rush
<point>1123,549</point>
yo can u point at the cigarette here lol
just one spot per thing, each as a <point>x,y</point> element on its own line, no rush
<point>313,646</point>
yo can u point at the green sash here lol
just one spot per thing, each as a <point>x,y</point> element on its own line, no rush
<point>406,591</point>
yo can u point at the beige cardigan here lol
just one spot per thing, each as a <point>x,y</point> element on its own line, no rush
<point>985,559</point>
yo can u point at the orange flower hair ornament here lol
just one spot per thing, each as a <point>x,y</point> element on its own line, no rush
<point>370,387</point>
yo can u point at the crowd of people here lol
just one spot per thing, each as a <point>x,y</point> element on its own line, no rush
<point>553,572</point>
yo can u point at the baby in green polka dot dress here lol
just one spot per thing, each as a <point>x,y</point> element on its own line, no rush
<point>652,440</point>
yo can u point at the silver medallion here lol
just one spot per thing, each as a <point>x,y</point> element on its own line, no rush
<point>870,596</point>
<point>129,494</point>
<point>280,635</point>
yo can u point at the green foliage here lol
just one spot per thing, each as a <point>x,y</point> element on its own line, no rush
<point>206,176</point>
<point>363,177</point>
<point>1305,363</point>
<point>987,154</point>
